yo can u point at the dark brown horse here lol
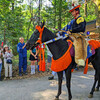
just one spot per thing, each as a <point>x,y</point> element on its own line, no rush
<point>58,49</point>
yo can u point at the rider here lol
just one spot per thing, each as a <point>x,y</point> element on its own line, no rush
<point>78,24</point>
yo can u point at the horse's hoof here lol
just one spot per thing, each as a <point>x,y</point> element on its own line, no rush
<point>96,89</point>
<point>90,96</point>
<point>56,98</point>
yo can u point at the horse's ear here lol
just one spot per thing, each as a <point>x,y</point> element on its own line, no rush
<point>42,24</point>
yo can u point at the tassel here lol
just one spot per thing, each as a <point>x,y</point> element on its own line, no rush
<point>72,70</point>
<point>43,66</point>
<point>43,61</point>
<point>40,64</point>
<point>86,67</point>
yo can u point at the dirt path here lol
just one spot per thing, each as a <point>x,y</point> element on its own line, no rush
<point>43,89</point>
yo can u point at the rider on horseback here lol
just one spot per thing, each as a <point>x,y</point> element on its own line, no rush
<point>77,25</point>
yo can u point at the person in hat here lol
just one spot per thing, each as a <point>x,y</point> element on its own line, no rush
<point>76,25</point>
<point>21,49</point>
<point>7,55</point>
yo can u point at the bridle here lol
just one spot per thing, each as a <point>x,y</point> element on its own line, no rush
<point>41,32</point>
<point>42,58</point>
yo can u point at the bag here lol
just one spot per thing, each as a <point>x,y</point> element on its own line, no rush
<point>9,61</point>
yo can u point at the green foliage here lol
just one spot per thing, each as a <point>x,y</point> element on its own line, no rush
<point>18,19</point>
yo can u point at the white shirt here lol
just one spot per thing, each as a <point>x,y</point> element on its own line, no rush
<point>7,55</point>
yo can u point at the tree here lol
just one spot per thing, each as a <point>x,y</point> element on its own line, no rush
<point>98,16</point>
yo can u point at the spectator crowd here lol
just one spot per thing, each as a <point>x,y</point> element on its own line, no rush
<point>6,56</point>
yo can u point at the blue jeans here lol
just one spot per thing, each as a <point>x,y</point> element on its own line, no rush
<point>0,69</point>
<point>22,64</point>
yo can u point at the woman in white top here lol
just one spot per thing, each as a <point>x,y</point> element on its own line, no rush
<point>7,61</point>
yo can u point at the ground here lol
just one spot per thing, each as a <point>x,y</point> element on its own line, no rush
<point>43,89</point>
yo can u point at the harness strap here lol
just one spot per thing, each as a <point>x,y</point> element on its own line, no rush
<point>42,61</point>
<point>41,32</point>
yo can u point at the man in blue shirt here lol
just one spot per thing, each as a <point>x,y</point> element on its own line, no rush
<point>21,49</point>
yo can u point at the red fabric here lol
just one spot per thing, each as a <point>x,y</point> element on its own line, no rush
<point>63,62</point>
<point>2,44</point>
<point>38,47</point>
<point>86,67</point>
<point>75,8</point>
<point>72,70</point>
<point>95,44</point>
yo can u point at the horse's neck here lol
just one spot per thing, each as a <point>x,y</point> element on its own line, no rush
<point>57,48</point>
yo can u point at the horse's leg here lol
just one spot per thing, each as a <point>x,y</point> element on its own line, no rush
<point>68,83</point>
<point>97,88</point>
<point>60,76</point>
<point>93,88</point>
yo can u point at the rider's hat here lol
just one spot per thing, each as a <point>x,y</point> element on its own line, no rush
<point>75,5</point>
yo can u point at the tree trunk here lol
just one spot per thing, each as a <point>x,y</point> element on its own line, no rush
<point>98,16</point>
<point>85,9</point>
<point>31,19</point>
<point>12,6</point>
<point>39,13</point>
<point>4,35</point>
<point>55,15</point>
<point>60,10</point>
<point>14,42</point>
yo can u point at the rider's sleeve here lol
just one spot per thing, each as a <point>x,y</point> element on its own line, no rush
<point>66,28</point>
<point>80,27</point>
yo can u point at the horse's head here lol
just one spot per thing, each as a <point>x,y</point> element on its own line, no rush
<point>35,36</point>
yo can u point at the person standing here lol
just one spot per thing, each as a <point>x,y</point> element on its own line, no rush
<point>21,49</point>
<point>7,54</point>
<point>0,62</point>
<point>49,59</point>
<point>33,59</point>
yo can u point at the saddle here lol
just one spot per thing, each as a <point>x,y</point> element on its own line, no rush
<point>80,45</point>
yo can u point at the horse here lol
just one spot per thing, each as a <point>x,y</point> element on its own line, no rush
<point>95,60</point>
<point>58,49</point>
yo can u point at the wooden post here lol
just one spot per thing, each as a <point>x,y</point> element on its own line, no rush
<point>98,16</point>
<point>85,9</point>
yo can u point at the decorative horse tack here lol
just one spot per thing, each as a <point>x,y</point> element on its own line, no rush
<point>42,61</point>
<point>56,65</point>
<point>67,71</point>
<point>63,62</point>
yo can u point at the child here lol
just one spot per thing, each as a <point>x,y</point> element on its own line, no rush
<point>33,58</point>
<point>7,61</point>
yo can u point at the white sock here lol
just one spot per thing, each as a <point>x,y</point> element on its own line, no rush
<point>32,69</point>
